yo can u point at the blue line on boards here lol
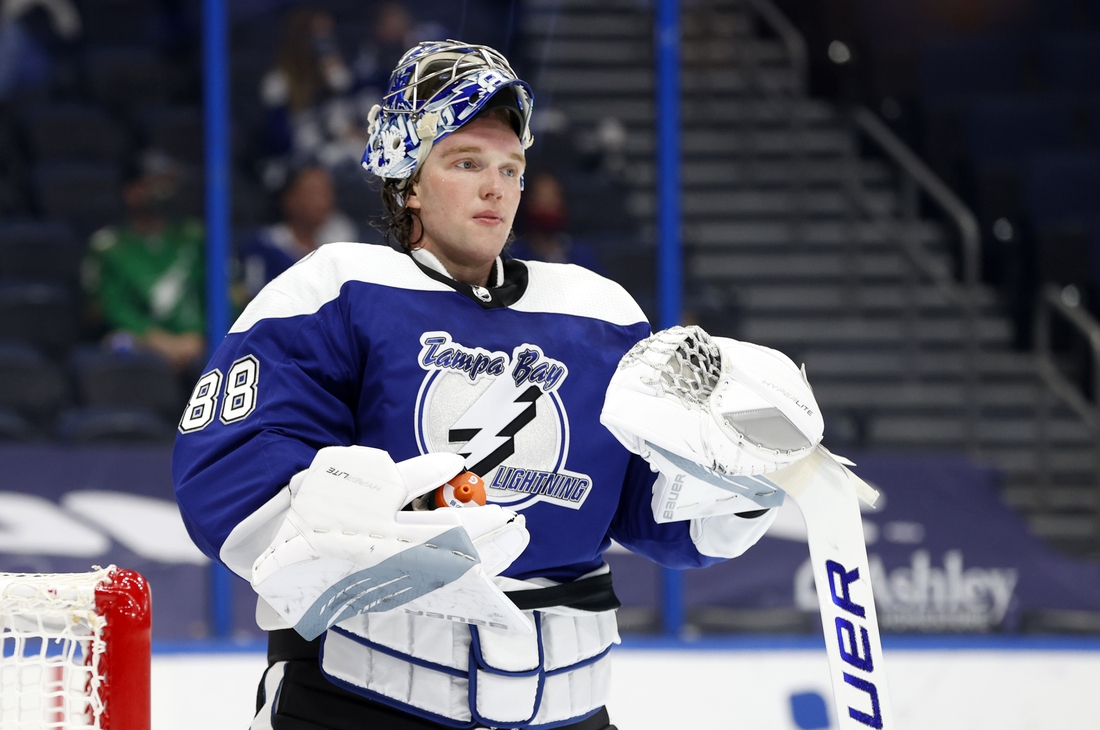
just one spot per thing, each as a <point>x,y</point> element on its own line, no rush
<point>909,642</point>
<point>632,642</point>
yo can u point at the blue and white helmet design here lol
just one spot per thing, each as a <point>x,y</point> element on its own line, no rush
<point>436,88</point>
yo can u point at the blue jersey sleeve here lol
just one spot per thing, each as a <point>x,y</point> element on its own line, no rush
<point>228,462</point>
<point>633,526</point>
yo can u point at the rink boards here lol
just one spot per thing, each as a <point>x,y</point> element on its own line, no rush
<point>763,684</point>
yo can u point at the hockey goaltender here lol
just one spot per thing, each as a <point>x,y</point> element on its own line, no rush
<point>364,377</point>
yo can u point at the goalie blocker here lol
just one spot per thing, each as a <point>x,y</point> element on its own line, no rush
<point>345,546</point>
<point>732,429</point>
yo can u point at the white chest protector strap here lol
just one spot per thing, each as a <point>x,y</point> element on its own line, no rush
<point>467,675</point>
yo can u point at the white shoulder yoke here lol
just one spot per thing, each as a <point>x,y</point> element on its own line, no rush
<point>317,279</point>
<point>571,289</point>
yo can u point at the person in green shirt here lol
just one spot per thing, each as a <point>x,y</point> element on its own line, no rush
<point>146,278</point>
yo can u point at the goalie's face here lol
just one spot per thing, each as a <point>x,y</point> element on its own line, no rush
<point>467,195</point>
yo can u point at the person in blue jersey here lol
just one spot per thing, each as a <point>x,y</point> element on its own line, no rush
<point>310,219</point>
<point>364,377</point>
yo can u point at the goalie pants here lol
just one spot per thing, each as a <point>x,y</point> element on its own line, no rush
<point>295,695</point>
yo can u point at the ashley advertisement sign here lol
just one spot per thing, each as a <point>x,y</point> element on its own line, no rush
<point>945,556</point>
<point>926,597</point>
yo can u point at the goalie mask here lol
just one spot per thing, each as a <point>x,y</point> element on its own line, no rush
<point>436,88</point>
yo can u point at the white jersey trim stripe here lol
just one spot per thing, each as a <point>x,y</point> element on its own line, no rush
<point>318,278</point>
<point>571,289</point>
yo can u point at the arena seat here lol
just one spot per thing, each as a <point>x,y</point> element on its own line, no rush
<point>14,427</point>
<point>106,379</point>
<point>1061,14</point>
<point>1093,234</point>
<point>954,69</point>
<point>106,426</point>
<point>86,194</point>
<point>42,251</point>
<point>189,199</point>
<point>250,206</point>
<point>13,173</point>
<point>595,203</point>
<point>74,132</point>
<point>177,130</point>
<point>555,152</point>
<point>1002,129</point>
<point>42,315</point>
<point>1000,132</point>
<point>126,78</point>
<point>1062,186</point>
<point>32,389</point>
<point>1070,62</point>
<point>1094,120</point>
<point>122,22</point>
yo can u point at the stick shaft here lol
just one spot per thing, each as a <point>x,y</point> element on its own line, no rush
<point>842,575</point>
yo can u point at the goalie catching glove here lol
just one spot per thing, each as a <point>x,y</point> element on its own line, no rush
<point>709,414</point>
<point>346,547</point>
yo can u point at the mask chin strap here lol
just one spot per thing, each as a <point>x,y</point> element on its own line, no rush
<point>372,118</point>
<point>426,129</point>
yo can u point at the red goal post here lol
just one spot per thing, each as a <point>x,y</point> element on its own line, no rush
<point>75,650</point>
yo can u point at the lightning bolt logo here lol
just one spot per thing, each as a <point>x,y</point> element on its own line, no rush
<point>490,426</point>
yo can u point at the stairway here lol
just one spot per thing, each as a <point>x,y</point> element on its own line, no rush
<point>808,242</point>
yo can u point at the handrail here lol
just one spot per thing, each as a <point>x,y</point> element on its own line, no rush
<point>917,176</point>
<point>792,39</point>
<point>922,175</point>
<point>1052,300</point>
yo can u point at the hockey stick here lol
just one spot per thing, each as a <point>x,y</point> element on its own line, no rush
<point>828,495</point>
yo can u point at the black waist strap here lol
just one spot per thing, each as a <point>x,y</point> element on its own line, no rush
<point>285,645</point>
<point>587,594</point>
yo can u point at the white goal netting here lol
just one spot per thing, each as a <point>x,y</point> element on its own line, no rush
<point>52,641</point>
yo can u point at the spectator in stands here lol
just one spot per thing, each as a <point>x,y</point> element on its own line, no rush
<point>310,219</point>
<point>543,216</point>
<point>317,108</point>
<point>146,279</point>
<point>27,46</point>
<point>605,148</point>
<point>318,105</point>
<point>392,32</point>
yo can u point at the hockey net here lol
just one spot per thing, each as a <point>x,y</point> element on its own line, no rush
<point>75,650</point>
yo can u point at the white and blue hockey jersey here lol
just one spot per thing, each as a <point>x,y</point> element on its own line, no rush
<point>363,345</point>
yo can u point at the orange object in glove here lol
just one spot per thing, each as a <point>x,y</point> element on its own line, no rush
<point>465,490</point>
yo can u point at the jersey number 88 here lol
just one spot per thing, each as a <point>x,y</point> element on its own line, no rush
<point>239,401</point>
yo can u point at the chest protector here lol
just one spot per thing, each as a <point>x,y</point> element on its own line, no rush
<point>463,675</point>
